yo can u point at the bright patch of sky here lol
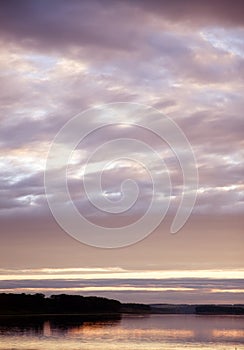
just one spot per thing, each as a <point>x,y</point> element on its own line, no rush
<point>225,40</point>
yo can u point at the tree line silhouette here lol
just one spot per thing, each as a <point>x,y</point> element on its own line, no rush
<point>55,304</point>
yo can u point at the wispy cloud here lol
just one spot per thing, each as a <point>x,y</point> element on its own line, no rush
<point>186,284</point>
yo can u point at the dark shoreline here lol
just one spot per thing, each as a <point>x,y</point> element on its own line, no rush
<point>38,305</point>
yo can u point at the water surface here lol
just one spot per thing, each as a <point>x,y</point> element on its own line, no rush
<point>154,332</point>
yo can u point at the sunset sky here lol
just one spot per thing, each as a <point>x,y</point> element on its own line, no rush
<point>184,58</point>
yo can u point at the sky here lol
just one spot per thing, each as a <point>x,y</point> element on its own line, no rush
<point>184,59</point>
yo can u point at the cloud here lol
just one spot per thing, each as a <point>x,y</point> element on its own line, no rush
<point>59,58</point>
<point>78,23</point>
<point>197,13</point>
<point>188,290</point>
<point>71,24</point>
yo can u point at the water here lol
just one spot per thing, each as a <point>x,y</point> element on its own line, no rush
<point>154,332</point>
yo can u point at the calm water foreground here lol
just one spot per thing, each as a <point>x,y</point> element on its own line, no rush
<point>152,332</point>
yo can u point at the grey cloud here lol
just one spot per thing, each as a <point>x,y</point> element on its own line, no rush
<point>219,201</point>
<point>220,175</point>
<point>60,23</point>
<point>195,283</point>
<point>196,12</point>
<point>214,131</point>
<point>76,23</point>
<point>71,27</point>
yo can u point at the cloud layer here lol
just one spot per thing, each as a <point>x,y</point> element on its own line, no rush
<point>209,286</point>
<point>59,58</point>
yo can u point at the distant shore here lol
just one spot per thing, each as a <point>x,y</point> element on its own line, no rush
<point>198,309</point>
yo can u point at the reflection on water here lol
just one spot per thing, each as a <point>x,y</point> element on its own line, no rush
<point>129,332</point>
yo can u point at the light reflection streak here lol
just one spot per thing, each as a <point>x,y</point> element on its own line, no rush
<point>228,333</point>
<point>92,331</point>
